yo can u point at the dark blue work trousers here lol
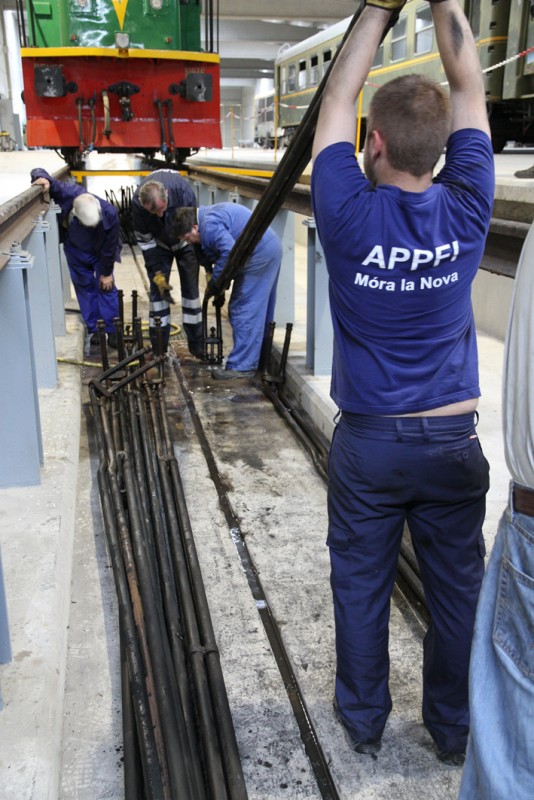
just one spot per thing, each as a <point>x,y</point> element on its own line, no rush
<point>188,270</point>
<point>94,302</point>
<point>429,472</point>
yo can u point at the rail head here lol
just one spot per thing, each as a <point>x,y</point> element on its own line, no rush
<point>19,216</point>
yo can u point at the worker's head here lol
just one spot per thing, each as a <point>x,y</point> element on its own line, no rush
<point>184,225</point>
<point>87,210</point>
<point>154,197</point>
<point>410,116</point>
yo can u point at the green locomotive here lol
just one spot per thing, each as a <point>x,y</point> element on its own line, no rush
<point>120,75</point>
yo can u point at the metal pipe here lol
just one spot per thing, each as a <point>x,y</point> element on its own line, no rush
<point>173,613</point>
<point>164,685</point>
<point>136,671</point>
<point>228,742</point>
<point>214,770</point>
<point>110,440</point>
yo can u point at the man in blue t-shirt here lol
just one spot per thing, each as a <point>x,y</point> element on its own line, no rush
<point>402,250</point>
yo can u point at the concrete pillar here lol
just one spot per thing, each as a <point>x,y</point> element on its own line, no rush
<point>319,331</point>
<point>55,275</point>
<point>283,225</point>
<point>44,345</point>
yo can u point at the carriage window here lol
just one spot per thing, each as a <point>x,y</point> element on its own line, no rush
<point>379,57</point>
<point>327,58</point>
<point>423,30</point>
<point>314,70</point>
<point>398,40</point>
<point>302,74</point>
<point>292,81</point>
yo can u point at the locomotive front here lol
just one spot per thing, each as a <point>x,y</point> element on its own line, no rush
<point>120,76</point>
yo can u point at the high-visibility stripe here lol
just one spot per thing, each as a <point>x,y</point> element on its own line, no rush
<point>158,305</point>
<point>187,303</point>
<point>192,319</point>
<point>165,322</point>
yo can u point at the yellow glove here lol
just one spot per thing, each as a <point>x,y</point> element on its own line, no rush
<point>161,282</point>
<point>387,5</point>
<point>164,286</point>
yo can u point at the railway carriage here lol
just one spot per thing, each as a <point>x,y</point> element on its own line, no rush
<point>119,76</point>
<point>504,34</point>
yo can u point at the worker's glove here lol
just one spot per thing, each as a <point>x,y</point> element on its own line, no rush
<point>218,300</point>
<point>387,5</point>
<point>164,287</point>
<point>212,287</point>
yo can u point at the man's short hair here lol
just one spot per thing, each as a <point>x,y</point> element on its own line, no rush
<point>183,221</point>
<point>412,113</point>
<point>151,193</point>
<point>86,208</point>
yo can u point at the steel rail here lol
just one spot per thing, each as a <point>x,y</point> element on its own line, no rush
<point>19,216</point>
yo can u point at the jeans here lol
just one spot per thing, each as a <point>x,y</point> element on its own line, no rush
<point>251,306</point>
<point>500,755</point>
<point>430,473</point>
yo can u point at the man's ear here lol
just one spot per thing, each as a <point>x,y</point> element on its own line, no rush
<point>376,144</point>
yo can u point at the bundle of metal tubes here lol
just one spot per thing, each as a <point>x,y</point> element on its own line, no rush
<point>179,740</point>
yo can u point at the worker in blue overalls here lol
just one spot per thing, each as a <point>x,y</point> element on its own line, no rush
<point>89,229</point>
<point>251,307</point>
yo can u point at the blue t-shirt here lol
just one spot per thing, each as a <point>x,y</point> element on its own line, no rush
<point>401,265</point>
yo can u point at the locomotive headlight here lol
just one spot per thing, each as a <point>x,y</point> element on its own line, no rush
<point>157,5</point>
<point>122,41</point>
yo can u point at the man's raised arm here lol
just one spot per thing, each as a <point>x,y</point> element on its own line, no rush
<point>461,63</point>
<point>338,113</point>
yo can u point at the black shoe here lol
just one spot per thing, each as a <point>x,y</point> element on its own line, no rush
<point>363,746</point>
<point>112,340</point>
<point>525,173</point>
<point>196,349</point>
<point>452,759</point>
<point>221,374</point>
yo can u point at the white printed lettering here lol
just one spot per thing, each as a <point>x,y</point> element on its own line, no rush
<point>421,257</point>
<point>397,256</point>
<point>376,256</point>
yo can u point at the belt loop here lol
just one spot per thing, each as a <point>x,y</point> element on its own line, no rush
<point>511,498</point>
<point>337,416</point>
<point>398,426</point>
<point>476,418</point>
<point>426,430</point>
